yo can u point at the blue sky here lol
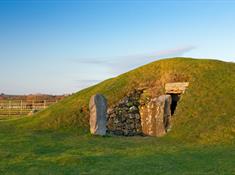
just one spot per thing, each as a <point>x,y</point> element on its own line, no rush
<point>61,47</point>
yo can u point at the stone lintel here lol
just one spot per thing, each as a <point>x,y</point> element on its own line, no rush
<point>176,88</point>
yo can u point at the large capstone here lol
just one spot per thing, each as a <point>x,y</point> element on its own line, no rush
<point>155,116</point>
<point>98,113</point>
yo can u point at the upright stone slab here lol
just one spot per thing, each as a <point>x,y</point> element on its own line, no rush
<point>155,115</point>
<point>167,112</point>
<point>98,112</point>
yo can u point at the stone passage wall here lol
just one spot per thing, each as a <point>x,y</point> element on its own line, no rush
<point>124,118</point>
<point>130,118</point>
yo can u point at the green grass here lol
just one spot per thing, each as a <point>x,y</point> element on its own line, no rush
<point>68,152</point>
<point>57,141</point>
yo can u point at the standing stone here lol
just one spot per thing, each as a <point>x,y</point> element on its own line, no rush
<point>98,112</point>
<point>167,112</point>
<point>155,116</point>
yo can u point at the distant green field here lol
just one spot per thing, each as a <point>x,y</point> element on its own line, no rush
<point>57,141</point>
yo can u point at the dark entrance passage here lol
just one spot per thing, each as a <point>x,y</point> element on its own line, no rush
<point>175,90</point>
<point>175,98</point>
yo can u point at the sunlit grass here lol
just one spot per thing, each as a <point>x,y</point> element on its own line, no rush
<point>66,152</point>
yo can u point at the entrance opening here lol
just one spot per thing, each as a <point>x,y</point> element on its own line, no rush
<point>175,90</point>
<point>175,98</point>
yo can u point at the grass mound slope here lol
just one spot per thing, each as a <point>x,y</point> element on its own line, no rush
<point>205,113</point>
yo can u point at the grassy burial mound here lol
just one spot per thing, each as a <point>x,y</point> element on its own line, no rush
<point>52,141</point>
<point>204,114</point>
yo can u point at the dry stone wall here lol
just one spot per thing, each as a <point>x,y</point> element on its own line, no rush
<point>124,118</point>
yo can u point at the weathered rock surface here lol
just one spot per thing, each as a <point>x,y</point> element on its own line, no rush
<point>155,116</point>
<point>124,117</point>
<point>98,114</point>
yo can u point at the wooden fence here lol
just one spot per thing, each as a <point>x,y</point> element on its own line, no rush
<point>22,107</point>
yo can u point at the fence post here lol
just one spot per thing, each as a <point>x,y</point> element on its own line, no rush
<point>45,104</point>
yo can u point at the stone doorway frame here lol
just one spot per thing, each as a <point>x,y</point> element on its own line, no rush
<point>175,90</point>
